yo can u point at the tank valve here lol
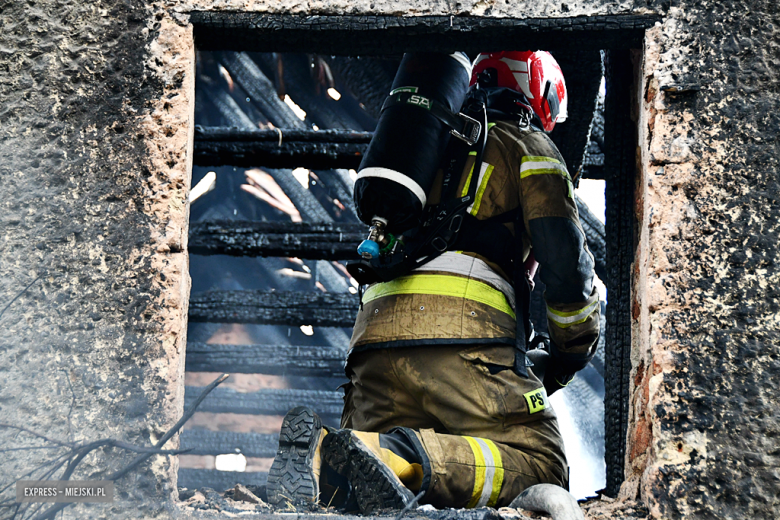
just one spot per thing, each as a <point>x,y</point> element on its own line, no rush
<point>377,239</point>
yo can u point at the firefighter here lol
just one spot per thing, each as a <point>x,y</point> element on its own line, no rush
<point>436,403</point>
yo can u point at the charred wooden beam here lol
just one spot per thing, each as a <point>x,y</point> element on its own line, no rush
<point>205,442</point>
<point>191,478</point>
<point>228,108</point>
<point>306,91</point>
<point>284,148</point>
<point>340,186</point>
<point>620,141</point>
<point>268,401</point>
<point>289,134</point>
<point>383,35</point>
<point>593,163</point>
<point>275,308</point>
<point>284,360</point>
<point>369,79</point>
<point>261,91</point>
<point>303,199</point>
<point>290,154</point>
<point>327,241</point>
<point>583,72</point>
<point>313,241</point>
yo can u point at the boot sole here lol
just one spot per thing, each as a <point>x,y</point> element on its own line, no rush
<point>291,478</point>
<point>374,484</point>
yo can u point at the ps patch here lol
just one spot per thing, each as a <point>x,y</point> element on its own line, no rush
<point>536,399</point>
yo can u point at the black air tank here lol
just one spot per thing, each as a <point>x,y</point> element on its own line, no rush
<point>401,161</point>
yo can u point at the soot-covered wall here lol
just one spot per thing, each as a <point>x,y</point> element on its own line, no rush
<point>95,103</point>
<point>705,411</point>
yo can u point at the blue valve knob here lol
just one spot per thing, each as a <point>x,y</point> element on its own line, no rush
<point>368,249</point>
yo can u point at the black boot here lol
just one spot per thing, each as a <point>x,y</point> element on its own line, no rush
<point>295,473</point>
<point>372,471</point>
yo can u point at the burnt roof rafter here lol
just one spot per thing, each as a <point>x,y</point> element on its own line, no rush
<point>383,35</point>
<point>282,148</point>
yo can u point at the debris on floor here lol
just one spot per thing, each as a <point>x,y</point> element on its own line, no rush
<point>249,502</point>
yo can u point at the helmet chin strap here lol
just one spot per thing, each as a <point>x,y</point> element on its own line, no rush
<point>525,119</point>
<point>506,103</point>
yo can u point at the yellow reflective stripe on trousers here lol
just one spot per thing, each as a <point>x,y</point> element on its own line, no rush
<point>441,285</point>
<point>565,320</point>
<point>498,477</point>
<point>542,165</point>
<point>488,472</point>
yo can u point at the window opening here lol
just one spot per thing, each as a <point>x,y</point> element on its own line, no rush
<point>282,134</point>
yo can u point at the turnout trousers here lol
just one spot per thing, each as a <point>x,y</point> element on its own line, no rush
<point>487,433</point>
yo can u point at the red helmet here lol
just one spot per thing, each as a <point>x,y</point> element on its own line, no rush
<point>535,74</point>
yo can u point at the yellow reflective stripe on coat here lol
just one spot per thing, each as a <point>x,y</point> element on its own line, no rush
<point>542,165</point>
<point>481,190</point>
<point>484,174</point>
<point>488,472</point>
<point>470,267</point>
<point>483,179</point>
<point>565,320</point>
<point>441,285</point>
<point>468,179</point>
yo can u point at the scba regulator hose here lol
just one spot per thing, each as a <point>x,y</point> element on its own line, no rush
<point>400,164</point>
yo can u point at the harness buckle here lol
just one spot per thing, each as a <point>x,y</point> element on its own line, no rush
<point>469,134</point>
<point>455,223</point>
<point>440,246</point>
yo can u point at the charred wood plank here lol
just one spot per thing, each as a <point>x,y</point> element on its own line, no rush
<point>593,163</point>
<point>190,478</point>
<point>583,72</point>
<point>383,35</point>
<point>284,360</point>
<point>315,150</point>
<point>205,442</point>
<point>593,172</point>
<point>261,91</point>
<point>308,93</point>
<point>326,241</point>
<point>311,155</point>
<point>369,79</point>
<point>620,165</point>
<point>302,198</point>
<point>275,308</point>
<point>221,133</point>
<point>228,108</point>
<point>268,401</point>
<point>339,185</point>
<point>313,241</point>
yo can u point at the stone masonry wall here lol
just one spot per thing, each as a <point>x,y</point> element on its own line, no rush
<point>95,137</point>
<point>95,131</point>
<point>705,414</point>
